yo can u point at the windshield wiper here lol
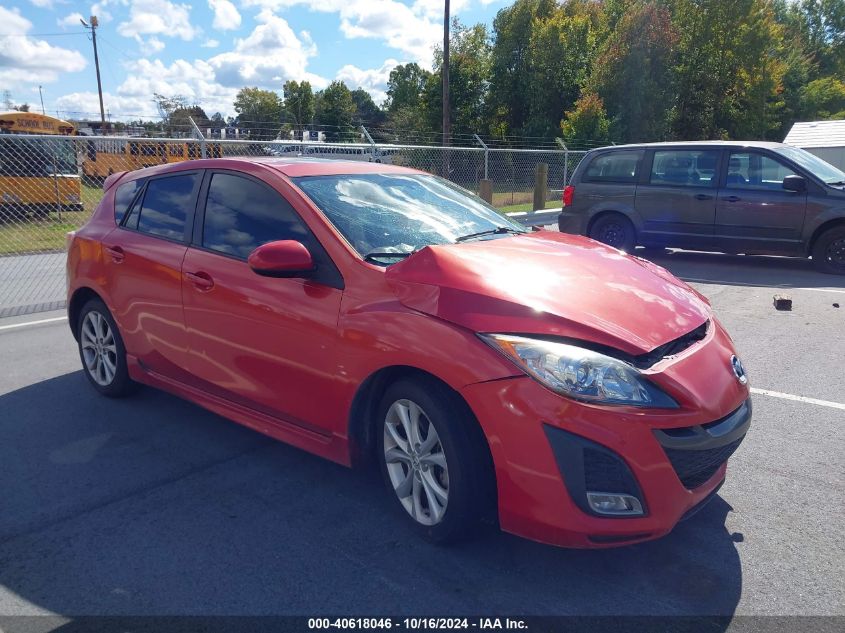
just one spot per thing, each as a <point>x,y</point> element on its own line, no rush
<point>838,183</point>
<point>499,230</point>
<point>375,256</point>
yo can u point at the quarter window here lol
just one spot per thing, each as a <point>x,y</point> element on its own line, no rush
<point>123,198</point>
<point>241,215</point>
<point>165,207</point>
<point>749,170</point>
<point>687,168</point>
<point>614,167</point>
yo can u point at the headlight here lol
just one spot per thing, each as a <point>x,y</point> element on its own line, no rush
<point>580,373</point>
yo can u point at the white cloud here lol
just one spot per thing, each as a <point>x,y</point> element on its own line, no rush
<point>393,22</point>
<point>373,80</point>
<point>210,43</point>
<point>413,29</point>
<point>158,17</point>
<point>43,4</point>
<point>268,56</point>
<point>151,46</point>
<point>226,16</point>
<point>25,60</point>
<point>70,20</point>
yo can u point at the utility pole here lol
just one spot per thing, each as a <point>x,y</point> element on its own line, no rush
<point>93,28</point>
<point>43,111</point>
<point>445,73</point>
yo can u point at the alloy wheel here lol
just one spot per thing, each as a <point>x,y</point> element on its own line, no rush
<point>835,254</point>
<point>99,351</point>
<point>416,462</point>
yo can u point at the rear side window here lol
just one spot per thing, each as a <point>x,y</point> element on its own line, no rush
<point>619,166</point>
<point>123,197</point>
<point>241,215</point>
<point>688,168</point>
<point>164,209</point>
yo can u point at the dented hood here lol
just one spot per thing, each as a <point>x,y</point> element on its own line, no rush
<point>550,284</point>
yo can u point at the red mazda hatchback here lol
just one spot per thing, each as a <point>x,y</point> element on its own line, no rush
<point>575,394</point>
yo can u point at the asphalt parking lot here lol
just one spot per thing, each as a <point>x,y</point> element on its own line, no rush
<point>153,506</point>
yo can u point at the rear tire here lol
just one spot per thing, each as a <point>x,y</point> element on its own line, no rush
<point>102,352</point>
<point>829,251</point>
<point>443,483</point>
<point>615,230</point>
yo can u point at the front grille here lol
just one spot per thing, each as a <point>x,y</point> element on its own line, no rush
<point>605,473</point>
<point>694,467</point>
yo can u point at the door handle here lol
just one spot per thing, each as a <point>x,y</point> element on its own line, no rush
<point>201,280</point>
<point>116,253</point>
<point>703,196</point>
<point>732,199</point>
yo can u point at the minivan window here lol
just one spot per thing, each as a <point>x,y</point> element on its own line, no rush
<point>614,167</point>
<point>241,215</point>
<point>164,209</point>
<point>750,170</point>
<point>688,168</point>
<point>123,197</point>
<point>819,168</point>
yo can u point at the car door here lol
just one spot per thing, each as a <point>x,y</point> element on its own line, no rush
<point>755,212</point>
<point>143,258</point>
<point>676,198</point>
<point>265,343</point>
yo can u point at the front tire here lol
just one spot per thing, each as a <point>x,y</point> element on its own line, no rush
<point>102,352</point>
<point>432,459</point>
<point>829,251</point>
<point>615,230</point>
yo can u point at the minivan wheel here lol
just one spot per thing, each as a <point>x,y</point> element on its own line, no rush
<point>430,460</point>
<point>102,352</point>
<point>614,230</point>
<point>829,251</point>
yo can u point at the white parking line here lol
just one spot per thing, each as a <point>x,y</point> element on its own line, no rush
<point>27,323</point>
<point>740,283</point>
<point>789,396</point>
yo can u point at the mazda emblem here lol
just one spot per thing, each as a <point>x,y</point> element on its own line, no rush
<point>739,370</point>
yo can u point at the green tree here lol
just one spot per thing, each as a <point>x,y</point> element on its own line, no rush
<point>469,70</point>
<point>299,102</point>
<point>336,112</point>
<point>823,99</point>
<point>510,76</point>
<point>633,73</point>
<point>823,29</point>
<point>560,54</point>
<point>587,125</point>
<point>405,87</point>
<point>729,69</point>
<point>367,113</point>
<point>259,112</point>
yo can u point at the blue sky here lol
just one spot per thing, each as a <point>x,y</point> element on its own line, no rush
<point>208,49</point>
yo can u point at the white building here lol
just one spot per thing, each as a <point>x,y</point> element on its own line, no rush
<point>825,139</point>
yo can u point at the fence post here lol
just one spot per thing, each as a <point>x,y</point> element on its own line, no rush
<point>371,142</point>
<point>486,155</point>
<point>560,142</point>
<point>199,135</point>
<point>541,183</point>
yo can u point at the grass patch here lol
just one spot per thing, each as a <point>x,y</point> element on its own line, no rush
<point>528,206</point>
<point>39,236</point>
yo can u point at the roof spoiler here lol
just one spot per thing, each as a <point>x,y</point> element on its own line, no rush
<point>112,179</point>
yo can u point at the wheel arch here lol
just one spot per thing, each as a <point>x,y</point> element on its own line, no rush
<point>362,413</point>
<point>80,297</point>
<point>823,228</point>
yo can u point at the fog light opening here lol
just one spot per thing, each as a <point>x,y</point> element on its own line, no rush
<point>614,504</point>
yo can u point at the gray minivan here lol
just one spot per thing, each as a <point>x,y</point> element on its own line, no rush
<point>733,197</point>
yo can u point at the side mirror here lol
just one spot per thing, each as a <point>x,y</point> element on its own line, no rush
<point>795,183</point>
<point>285,258</point>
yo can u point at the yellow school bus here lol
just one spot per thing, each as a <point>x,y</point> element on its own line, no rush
<point>37,175</point>
<point>103,157</point>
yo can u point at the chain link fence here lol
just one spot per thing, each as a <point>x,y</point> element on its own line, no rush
<point>51,185</point>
